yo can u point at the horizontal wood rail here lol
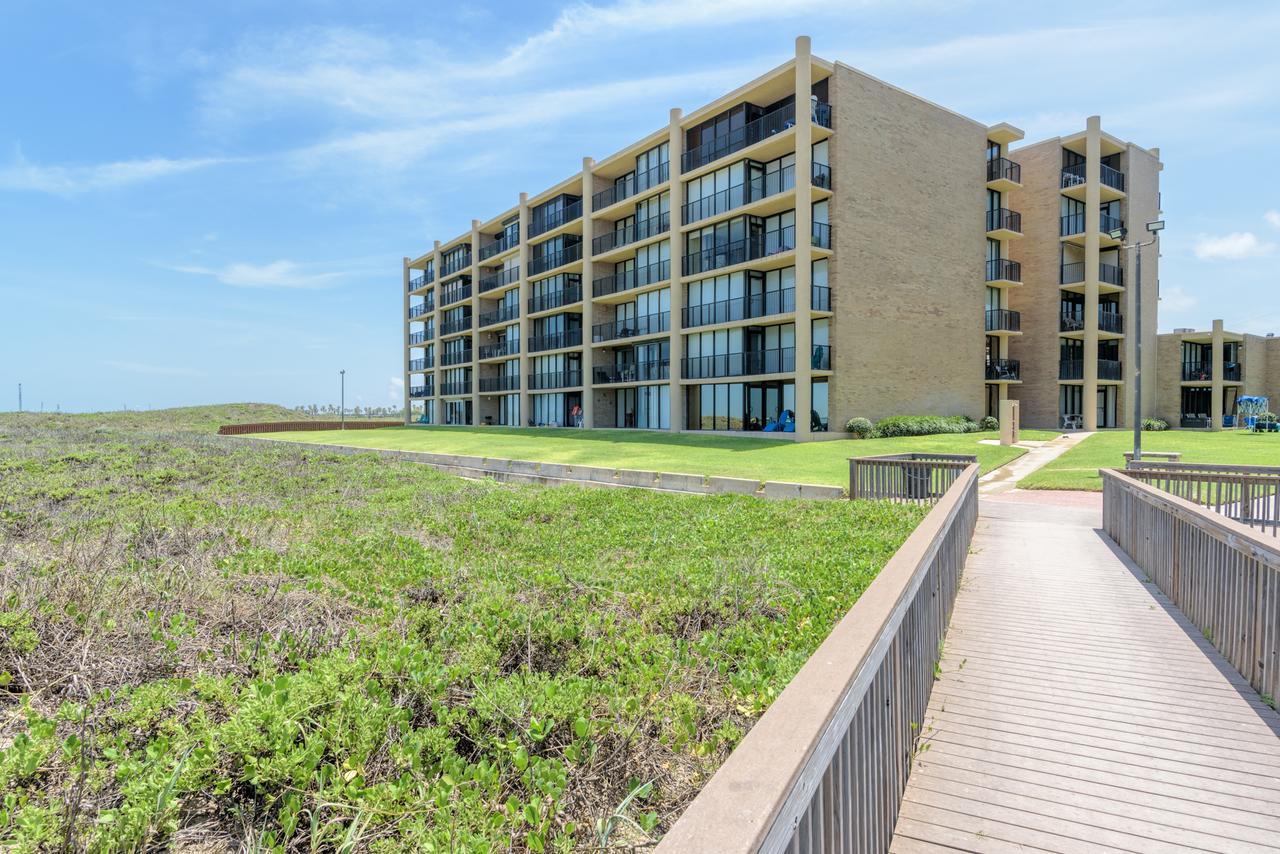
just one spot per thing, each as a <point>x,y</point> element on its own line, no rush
<point>825,767</point>
<point>909,478</point>
<point>293,426</point>
<point>1223,575</point>
<point>1247,494</point>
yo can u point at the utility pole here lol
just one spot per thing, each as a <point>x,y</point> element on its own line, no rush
<point>343,417</point>
<point>1153,228</point>
<point>19,397</point>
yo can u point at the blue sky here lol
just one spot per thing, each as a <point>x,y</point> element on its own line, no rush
<point>209,202</point>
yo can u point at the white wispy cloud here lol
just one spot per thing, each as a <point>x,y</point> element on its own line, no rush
<point>24,175</point>
<point>1177,299</point>
<point>276,274</point>
<point>1237,246</point>
<point>1272,218</point>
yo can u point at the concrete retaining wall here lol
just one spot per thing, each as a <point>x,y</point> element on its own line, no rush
<point>556,474</point>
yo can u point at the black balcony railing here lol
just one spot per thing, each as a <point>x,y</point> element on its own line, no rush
<point>462,262</point>
<point>730,198</point>
<point>1071,224</point>
<point>556,340</point>
<point>1003,320</point>
<point>457,387</point>
<point>450,294</point>
<point>1108,223</point>
<point>1003,369</point>
<point>822,114</point>
<point>628,280</point>
<point>632,184</point>
<point>461,324</point>
<point>500,315</point>
<point>497,280</point>
<point>737,251</point>
<point>1197,371</point>
<point>820,358</point>
<point>418,337</point>
<point>1111,274</point>
<point>643,230</point>
<point>645,324</point>
<point>417,282</point>
<point>567,295</point>
<point>420,309</point>
<point>822,235</point>
<point>1073,175</point>
<point>555,219</point>
<point>821,296</point>
<point>1231,372</point>
<point>423,364</point>
<point>1110,321</point>
<point>455,357</point>
<point>497,247</point>
<point>770,123</point>
<point>1113,178</point>
<point>1071,369</point>
<point>510,347</point>
<point>1109,369</point>
<point>740,308</point>
<point>555,259</point>
<point>506,382</point>
<point>1071,273</point>
<point>1003,270</point>
<point>822,175</point>
<point>1004,169</point>
<point>637,372</point>
<point>1004,219</point>
<point>555,379</point>
<point>780,360</point>
<point>421,391</point>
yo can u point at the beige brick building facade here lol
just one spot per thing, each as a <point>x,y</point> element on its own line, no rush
<point>813,246</point>
<point>1203,373</point>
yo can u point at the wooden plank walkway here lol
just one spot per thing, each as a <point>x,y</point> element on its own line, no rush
<point>1078,710</point>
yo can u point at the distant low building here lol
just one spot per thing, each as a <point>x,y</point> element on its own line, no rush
<point>1201,374</point>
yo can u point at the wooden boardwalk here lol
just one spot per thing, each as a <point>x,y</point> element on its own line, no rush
<point>1079,711</point>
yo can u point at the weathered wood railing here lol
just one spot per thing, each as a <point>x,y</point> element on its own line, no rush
<point>911,478</point>
<point>825,767</point>
<point>1223,575</point>
<point>1248,494</point>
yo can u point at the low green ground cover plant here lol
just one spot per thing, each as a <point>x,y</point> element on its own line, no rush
<point>898,426</point>
<point>212,644</point>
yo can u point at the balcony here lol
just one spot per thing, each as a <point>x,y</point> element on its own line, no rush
<point>739,251</point>
<point>488,385</point>
<point>1003,320</point>
<point>821,176</point>
<point>1004,171</point>
<point>734,197</point>
<point>497,247</point>
<point>781,360</point>
<point>1108,321</point>
<point>637,372</point>
<point>501,315</point>
<point>1231,372</point>
<point>770,123</point>
<point>631,279</point>
<point>555,259</point>
<point>450,294</point>
<point>740,308</point>
<point>1073,369</point>
<point>421,391</point>
<point>454,389</point>
<point>419,282</point>
<point>424,364</point>
<point>419,338</point>
<point>820,360</point>
<point>631,185</point>
<point>648,324</point>
<point>461,262</point>
<point>1003,270</point>
<point>497,280</point>
<point>1197,371</point>
<point>1111,274</point>
<point>1109,369</point>
<point>822,115</point>
<point>821,298</point>
<point>555,219</point>
<point>556,340</point>
<point>1195,422</point>
<point>643,230</point>
<point>450,327</point>
<point>1003,370</point>
<point>1003,222</point>
<point>555,379</point>
<point>822,235</point>
<point>510,347</point>
<point>1072,176</point>
<point>455,357</point>
<point>567,295</point>
<point>1112,178</point>
<point>420,309</point>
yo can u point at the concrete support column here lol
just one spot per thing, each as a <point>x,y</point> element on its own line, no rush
<point>804,237</point>
<point>1092,213</point>
<point>437,405</point>
<point>525,412</point>
<point>675,148</point>
<point>1218,369</point>
<point>475,319</point>
<point>588,308</point>
<point>404,293</point>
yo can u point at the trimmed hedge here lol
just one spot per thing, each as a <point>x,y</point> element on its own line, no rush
<point>860,427</point>
<point>924,425</point>
<point>1154,425</point>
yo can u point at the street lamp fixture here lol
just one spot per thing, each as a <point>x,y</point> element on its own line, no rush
<point>1154,227</point>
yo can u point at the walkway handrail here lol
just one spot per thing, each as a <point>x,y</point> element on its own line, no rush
<point>1223,575</point>
<point>1247,494</point>
<point>825,767</point>
<point>912,478</point>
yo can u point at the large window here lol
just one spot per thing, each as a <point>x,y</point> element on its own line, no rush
<point>820,417</point>
<point>647,407</point>
<point>740,406</point>
<point>509,408</point>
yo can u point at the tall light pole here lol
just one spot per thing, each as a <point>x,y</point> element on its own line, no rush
<point>1154,227</point>
<point>19,397</point>
<point>343,416</point>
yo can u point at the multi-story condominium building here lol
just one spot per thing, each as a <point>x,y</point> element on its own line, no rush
<point>1203,374</point>
<point>810,247</point>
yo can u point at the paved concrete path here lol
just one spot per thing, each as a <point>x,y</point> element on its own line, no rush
<point>1078,710</point>
<point>1006,477</point>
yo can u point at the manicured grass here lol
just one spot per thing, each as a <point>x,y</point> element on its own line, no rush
<point>1078,468</point>
<point>749,457</point>
<point>199,419</point>
<point>214,645</point>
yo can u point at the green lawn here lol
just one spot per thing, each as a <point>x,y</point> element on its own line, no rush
<point>749,457</point>
<point>1078,468</point>
<point>216,645</point>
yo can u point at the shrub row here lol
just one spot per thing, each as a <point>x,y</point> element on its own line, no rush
<point>918,425</point>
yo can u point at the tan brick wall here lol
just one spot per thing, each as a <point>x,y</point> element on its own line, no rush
<point>907,273</point>
<point>1142,183</point>
<point>1039,299</point>
<point>1168,368</point>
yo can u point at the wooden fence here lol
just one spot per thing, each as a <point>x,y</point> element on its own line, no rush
<point>909,478</point>
<point>291,426</point>
<point>1248,494</point>
<point>1224,576</point>
<point>825,767</point>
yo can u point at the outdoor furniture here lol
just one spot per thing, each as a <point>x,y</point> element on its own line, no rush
<point>1072,422</point>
